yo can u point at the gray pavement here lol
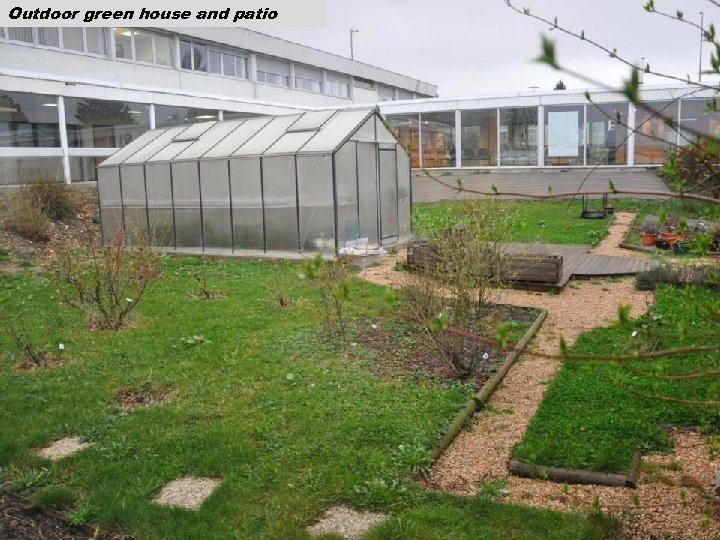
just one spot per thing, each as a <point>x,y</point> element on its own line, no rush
<point>535,182</point>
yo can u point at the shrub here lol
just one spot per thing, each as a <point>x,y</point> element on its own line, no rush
<point>51,195</point>
<point>26,219</point>
<point>331,280</point>
<point>106,284</point>
<point>452,289</point>
<point>706,275</point>
<point>45,197</point>
<point>694,168</point>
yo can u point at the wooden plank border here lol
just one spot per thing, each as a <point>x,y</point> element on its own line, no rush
<point>479,399</point>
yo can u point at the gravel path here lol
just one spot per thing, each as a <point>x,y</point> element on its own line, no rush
<point>616,233</point>
<point>669,501</point>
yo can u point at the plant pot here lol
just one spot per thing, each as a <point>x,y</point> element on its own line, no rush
<point>669,236</point>
<point>680,247</point>
<point>648,239</point>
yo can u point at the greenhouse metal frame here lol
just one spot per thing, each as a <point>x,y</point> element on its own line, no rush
<point>300,183</point>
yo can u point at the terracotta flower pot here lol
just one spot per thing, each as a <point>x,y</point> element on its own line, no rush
<point>647,238</point>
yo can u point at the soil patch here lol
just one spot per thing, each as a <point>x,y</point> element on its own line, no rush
<point>346,522</point>
<point>20,520</point>
<point>130,397</point>
<point>51,361</point>
<point>70,232</point>
<point>404,346</point>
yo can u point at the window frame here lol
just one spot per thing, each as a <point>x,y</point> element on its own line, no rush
<point>133,50</point>
<point>109,42</point>
<point>240,74</point>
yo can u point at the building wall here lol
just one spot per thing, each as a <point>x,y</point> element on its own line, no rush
<point>143,74</point>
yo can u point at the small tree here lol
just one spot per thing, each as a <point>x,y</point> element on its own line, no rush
<point>454,288</point>
<point>331,279</point>
<point>106,284</point>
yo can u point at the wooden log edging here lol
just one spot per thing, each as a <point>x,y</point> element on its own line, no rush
<point>577,476</point>
<point>481,397</point>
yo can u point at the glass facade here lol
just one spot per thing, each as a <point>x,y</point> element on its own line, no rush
<point>607,134</point>
<point>654,137</point>
<point>95,123</point>
<point>18,170</point>
<point>438,139</point>
<point>518,136</point>
<point>166,115</point>
<point>698,120</point>
<point>29,120</point>
<point>479,138</point>
<point>406,128</point>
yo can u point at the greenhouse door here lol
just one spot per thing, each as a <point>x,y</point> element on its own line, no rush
<point>388,192</point>
<point>368,191</point>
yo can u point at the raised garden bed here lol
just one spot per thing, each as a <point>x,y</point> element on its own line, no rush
<point>520,269</point>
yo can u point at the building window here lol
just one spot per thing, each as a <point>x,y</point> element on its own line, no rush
<point>50,37</point>
<point>20,34</point>
<point>338,89</point>
<point>385,93</point>
<point>518,136</point>
<point>168,115</point>
<point>199,57</point>
<point>309,85</point>
<point>655,137</point>
<point>73,39</point>
<point>308,78</point>
<point>406,128</point>
<point>143,46</point>
<point>96,41</point>
<point>438,139</point>
<point>564,135</point>
<point>363,83</point>
<point>479,138</point>
<point>607,133</point>
<point>273,78</point>
<point>29,120</point>
<point>96,123</point>
<point>698,121</point>
<point>338,85</point>
<point>273,71</point>
<point>84,40</point>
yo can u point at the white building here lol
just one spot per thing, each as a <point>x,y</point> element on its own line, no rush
<point>566,128</point>
<point>70,97</point>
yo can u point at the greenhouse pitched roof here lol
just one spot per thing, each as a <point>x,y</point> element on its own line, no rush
<point>310,132</point>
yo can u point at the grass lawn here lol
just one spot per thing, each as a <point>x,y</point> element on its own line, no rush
<point>536,221</point>
<point>255,398</point>
<point>591,419</point>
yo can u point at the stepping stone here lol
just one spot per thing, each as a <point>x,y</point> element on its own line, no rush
<point>187,492</point>
<point>64,447</point>
<point>346,522</point>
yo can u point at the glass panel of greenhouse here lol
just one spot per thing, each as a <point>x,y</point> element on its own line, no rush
<point>300,183</point>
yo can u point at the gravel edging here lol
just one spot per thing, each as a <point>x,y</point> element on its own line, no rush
<point>481,397</point>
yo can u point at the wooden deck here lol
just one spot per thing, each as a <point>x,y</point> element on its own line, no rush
<point>578,262</point>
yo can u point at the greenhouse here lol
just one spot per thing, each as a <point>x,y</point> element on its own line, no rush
<point>299,183</point>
